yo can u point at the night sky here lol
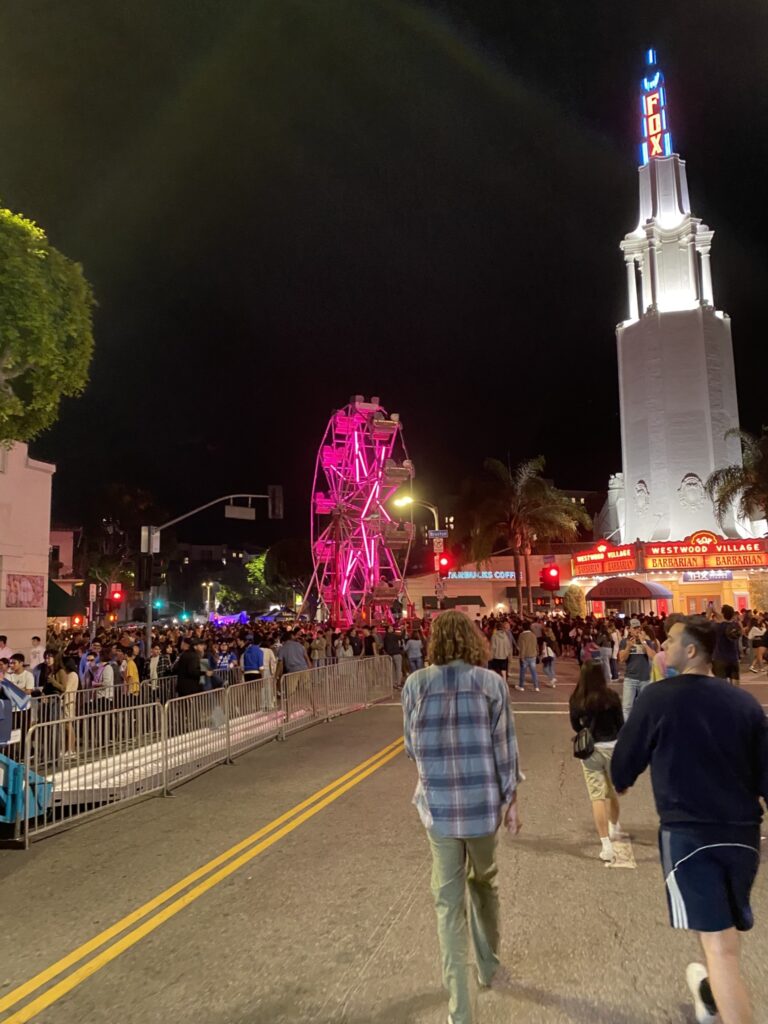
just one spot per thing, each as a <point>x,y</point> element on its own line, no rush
<point>281,203</point>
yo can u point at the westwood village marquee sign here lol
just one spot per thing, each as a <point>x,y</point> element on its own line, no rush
<point>706,550</point>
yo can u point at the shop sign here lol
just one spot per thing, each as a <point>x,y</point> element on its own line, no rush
<point>708,576</point>
<point>706,550</point>
<point>497,574</point>
<point>604,559</point>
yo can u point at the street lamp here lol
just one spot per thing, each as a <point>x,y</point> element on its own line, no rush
<point>407,500</point>
<point>208,584</point>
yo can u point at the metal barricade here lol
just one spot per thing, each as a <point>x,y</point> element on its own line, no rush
<point>380,680</point>
<point>304,698</point>
<point>225,677</point>
<point>253,715</point>
<point>346,685</point>
<point>81,766</point>
<point>197,735</point>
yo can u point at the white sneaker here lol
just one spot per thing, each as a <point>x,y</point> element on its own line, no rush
<point>608,855</point>
<point>617,835</point>
<point>752,669</point>
<point>520,688</point>
<point>705,1010</point>
<point>551,684</point>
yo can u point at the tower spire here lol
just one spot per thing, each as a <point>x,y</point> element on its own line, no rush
<point>656,139</point>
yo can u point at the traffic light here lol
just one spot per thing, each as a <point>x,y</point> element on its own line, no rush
<point>275,501</point>
<point>77,621</point>
<point>116,593</point>
<point>443,565</point>
<point>549,578</point>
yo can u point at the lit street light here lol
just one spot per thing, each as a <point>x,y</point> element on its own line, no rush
<point>407,500</point>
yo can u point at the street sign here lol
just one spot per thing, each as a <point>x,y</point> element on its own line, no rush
<point>432,534</point>
<point>438,545</point>
<point>239,512</point>
<point>92,593</point>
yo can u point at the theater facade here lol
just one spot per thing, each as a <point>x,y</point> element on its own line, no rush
<point>697,574</point>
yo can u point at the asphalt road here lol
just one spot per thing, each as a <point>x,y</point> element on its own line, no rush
<point>327,916</point>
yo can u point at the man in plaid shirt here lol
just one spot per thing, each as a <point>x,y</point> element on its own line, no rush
<point>460,731</point>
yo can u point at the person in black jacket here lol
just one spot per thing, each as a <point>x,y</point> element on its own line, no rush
<point>594,706</point>
<point>707,746</point>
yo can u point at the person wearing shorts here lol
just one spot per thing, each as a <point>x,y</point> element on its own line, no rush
<point>595,706</point>
<point>707,746</point>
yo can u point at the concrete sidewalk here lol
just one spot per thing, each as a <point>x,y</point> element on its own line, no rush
<point>335,921</point>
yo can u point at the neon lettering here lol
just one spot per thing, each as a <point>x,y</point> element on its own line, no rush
<point>653,101</point>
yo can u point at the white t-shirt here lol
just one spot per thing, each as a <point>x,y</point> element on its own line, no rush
<point>24,680</point>
<point>36,656</point>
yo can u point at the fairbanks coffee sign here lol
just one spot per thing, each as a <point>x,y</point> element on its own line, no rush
<point>706,550</point>
<point>604,559</point>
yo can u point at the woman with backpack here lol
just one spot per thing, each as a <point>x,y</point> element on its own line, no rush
<point>597,718</point>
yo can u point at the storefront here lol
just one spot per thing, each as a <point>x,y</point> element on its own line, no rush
<point>700,574</point>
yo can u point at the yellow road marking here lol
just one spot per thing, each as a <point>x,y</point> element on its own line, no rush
<point>346,781</point>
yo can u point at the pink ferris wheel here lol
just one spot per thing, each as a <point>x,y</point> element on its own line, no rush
<point>359,552</point>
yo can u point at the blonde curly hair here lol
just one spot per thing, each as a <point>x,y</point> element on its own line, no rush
<point>454,637</point>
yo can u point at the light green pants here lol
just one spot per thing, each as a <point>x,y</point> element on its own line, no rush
<point>458,866</point>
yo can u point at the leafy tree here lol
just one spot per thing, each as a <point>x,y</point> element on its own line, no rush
<point>574,601</point>
<point>229,600</point>
<point>46,338</point>
<point>742,487</point>
<point>516,508</point>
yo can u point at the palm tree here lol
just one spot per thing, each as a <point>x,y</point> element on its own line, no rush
<point>742,486</point>
<point>518,507</point>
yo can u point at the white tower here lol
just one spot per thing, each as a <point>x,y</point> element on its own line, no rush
<point>677,385</point>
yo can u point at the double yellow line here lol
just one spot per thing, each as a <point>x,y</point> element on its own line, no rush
<point>180,895</point>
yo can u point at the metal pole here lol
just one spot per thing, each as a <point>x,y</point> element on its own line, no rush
<point>148,635</point>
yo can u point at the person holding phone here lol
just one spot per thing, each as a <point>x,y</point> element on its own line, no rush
<point>636,652</point>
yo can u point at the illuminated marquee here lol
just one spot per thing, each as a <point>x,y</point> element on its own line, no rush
<point>706,550</point>
<point>604,559</point>
<point>656,139</point>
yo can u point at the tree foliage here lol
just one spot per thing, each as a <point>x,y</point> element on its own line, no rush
<point>46,338</point>
<point>743,488</point>
<point>517,508</point>
<point>574,601</point>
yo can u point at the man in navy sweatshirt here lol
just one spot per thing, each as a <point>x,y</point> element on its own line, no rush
<point>707,745</point>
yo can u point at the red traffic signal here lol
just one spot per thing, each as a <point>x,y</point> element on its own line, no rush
<point>443,565</point>
<point>116,592</point>
<point>77,620</point>
<point>549,578</point>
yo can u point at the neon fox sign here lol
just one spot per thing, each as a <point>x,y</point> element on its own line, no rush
<point>656,139</point>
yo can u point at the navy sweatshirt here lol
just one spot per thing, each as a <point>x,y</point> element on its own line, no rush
<point>707,744</point>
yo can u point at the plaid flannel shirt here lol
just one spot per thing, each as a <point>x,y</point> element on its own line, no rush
<point>460,731</point>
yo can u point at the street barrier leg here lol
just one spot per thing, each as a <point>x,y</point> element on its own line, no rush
<point>227,719</point>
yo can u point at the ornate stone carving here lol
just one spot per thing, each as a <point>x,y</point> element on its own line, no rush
<point>691,492</point>
<point>642,498</point>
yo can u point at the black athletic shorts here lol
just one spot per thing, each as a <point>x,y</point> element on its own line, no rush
<point>498,664</point>
<point>709,872</point>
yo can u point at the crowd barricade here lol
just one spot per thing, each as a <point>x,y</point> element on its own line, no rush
<point>225,676</point>
<point>80,766</point>
<point>253,715</point>
<point>196,735</point>
<point>76,766</point>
